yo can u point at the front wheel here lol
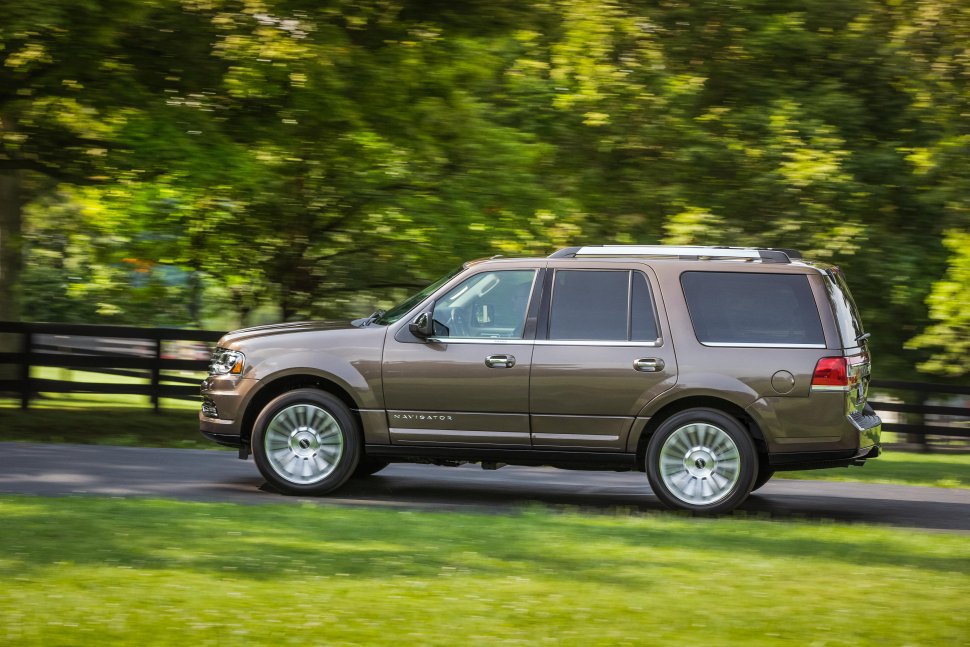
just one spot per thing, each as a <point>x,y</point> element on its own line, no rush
<point>701,460</point>
<point>368,466</point>
<point>306,442</point>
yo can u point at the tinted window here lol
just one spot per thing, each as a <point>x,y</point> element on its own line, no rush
<point>588,304</point>
<point>846,314</point>
<point>643,321</point>
<point>742,308</point>
<point>486,305</point>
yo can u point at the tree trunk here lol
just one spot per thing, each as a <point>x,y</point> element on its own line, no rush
<point>11,263</point>
<point>11,244</point>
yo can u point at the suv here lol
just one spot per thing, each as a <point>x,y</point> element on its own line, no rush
<point>708,368</point>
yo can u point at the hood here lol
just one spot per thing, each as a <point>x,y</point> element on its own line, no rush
<point>282,329</point>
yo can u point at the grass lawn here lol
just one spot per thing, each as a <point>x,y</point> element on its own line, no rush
<point>115,426</point>
<point>108,571</point>
<point>904,468</point>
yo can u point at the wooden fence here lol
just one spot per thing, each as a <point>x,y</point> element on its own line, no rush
<point>148,352</point>
<point>925,419</point>
<point>114,350</point>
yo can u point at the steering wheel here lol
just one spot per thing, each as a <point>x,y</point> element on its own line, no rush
<point>457,324</point>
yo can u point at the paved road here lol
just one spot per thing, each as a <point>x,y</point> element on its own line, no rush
<point>204,475</point>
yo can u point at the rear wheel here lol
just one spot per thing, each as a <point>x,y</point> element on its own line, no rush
<point>701,460</point>
<point>764,475</point>
<point>306,442</point>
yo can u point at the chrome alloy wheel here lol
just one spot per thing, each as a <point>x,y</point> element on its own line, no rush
<point>700,463</point>
<point>303,443</point>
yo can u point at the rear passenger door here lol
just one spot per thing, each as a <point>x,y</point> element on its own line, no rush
<point>602,352</point>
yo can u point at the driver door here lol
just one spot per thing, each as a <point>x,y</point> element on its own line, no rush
<point>468,384</point>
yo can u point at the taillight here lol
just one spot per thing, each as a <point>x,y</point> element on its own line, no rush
<point>831,371</point>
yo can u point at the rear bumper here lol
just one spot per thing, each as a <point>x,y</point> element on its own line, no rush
<point>869,428</point>
<point>822,460</point>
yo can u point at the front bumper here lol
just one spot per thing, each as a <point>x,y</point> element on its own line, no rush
<point>223,406</point>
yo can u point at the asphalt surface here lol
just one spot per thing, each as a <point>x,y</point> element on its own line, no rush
<point>203,475</point>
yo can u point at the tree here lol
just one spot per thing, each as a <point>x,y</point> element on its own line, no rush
<point>949,306</point>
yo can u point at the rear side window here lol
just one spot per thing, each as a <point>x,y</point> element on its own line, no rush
<point>738,308</point>
<point>846,314</point>
<point>601,305</point>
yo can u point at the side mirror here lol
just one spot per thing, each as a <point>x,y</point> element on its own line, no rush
<point>422,326</point>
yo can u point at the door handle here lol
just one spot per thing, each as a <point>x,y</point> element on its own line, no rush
<point>500,361</point>
<point>648,364</point>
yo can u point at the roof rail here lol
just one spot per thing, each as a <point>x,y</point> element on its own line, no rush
<point>683,252</point>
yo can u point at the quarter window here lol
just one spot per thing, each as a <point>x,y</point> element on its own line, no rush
<point>742,308</point>
<point>643,321</point>
<point>601,305</point>
<point>486,306</point>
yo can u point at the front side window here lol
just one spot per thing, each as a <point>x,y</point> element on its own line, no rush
<point>490,305</point>
<point>601,305</point>
<point>740,308</point>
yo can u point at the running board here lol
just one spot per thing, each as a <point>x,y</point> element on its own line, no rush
<point>533,457</point>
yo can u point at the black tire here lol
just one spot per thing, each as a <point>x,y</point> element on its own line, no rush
<point>764,475</point>
<point>307,442</point>
<point>368,467</point>
<point>705,450</point>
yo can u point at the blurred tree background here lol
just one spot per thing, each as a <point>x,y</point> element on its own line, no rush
<point>223,162</point>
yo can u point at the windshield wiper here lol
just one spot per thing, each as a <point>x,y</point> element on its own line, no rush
<point>374,317</point>
<point>864,336</point>
<point>366,321</point>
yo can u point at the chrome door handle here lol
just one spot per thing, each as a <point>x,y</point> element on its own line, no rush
<point>648,364</point>
<point>500,361</point>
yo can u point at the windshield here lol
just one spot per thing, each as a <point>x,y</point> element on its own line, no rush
<point>405,306</point>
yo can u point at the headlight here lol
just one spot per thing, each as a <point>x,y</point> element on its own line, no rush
<point>226,361</point>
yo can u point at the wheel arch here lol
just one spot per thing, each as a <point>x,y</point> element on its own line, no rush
<point>693,402</point>
<point>282,384</point>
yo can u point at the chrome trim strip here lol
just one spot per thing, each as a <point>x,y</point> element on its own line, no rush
<point>591,342</point>
<point>589,437</point>
<point>579,415</point>
<point>828,387</point>
<point>728,344</point>
<point>457,433</point>
<point>545,342</point>
<point>478,340</point>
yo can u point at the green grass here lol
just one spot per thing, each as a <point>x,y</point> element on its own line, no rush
<point>102,571</point>
<point>902,468</point>
<point>120,426</point>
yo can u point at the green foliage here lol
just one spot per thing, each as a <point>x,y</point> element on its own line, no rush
<point>327,158</point>
<point>949,304</point>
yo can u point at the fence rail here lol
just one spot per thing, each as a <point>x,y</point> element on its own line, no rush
<point>139,352</point>
<point>920,426</point>
<point>112,350</point>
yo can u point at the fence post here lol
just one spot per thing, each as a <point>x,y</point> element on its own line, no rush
<point>26,346</point>
<point>156,372</point>
<point>924,437</point>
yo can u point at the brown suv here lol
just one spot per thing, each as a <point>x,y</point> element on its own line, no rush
<point>709,368</point>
